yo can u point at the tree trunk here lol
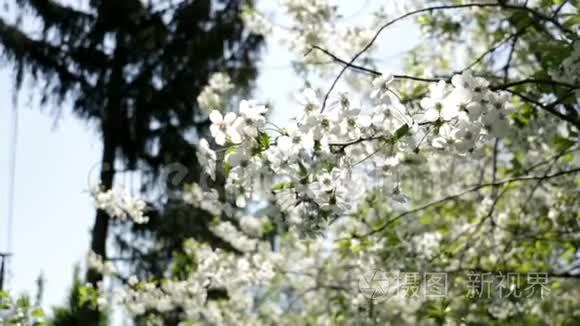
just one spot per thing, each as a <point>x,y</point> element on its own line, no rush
<point>110,126</point>
<point>90,315</point>
<point>101,226</point>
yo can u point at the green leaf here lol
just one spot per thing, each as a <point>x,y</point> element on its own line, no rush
<point>268,226</point>
<point>523,115</point>
<point>437,310</point>
<point>561,144</point>
<point>426,219</point>
<point>425,20</point>
<point>227,168</point>
<point>572,21</point>
<point>281,185</point>
<point>525,267</point>
<point>23,302</point>
<point>401,132</point>
<point>393,238</point>
<point>521,19</point>
<point>37,313</point>
<point>231,149</point>
<point>303,169</point>
<point>569,254</point>
<point>264,140</point>
<point>453,248</point>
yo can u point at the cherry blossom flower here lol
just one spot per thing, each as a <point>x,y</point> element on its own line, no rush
<point>381,87</point>
<point>295,141</point>
<point>223,128</point>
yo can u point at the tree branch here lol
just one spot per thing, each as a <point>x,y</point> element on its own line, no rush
<point>549,108</point>
<point>430,9</point>
<point>470,190</point>
<point>391,22</point>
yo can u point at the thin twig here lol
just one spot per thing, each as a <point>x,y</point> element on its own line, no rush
<point>560,7</point>
<point>507,66</point>
<point>444,78</point>
<point>383,27</point>
<point>430,9</point>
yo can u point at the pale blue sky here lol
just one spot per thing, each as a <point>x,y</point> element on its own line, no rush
<point>52,215</point>
<point>52,211</point>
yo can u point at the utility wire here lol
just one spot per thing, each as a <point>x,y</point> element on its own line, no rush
<point>5,270</point>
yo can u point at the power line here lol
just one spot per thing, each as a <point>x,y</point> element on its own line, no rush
<point>5,266</point>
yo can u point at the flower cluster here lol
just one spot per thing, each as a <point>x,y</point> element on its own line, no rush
<point>206,200</point>
<point>212,97</point>
<point>228,232</point>
<point>231,128</point>
<point>464,112</point>
<point>123,207</point>
<point>307,167</point>
<point>97,263</point>
<point>257,287</point>
<point>312,22</point>
<point>216,272</point>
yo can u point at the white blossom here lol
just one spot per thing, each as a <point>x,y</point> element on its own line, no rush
<point>120,206</point>
<point>223,129</point>
<point>212,97</point>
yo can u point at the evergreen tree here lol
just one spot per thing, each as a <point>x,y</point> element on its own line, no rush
<point>135,70</point>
